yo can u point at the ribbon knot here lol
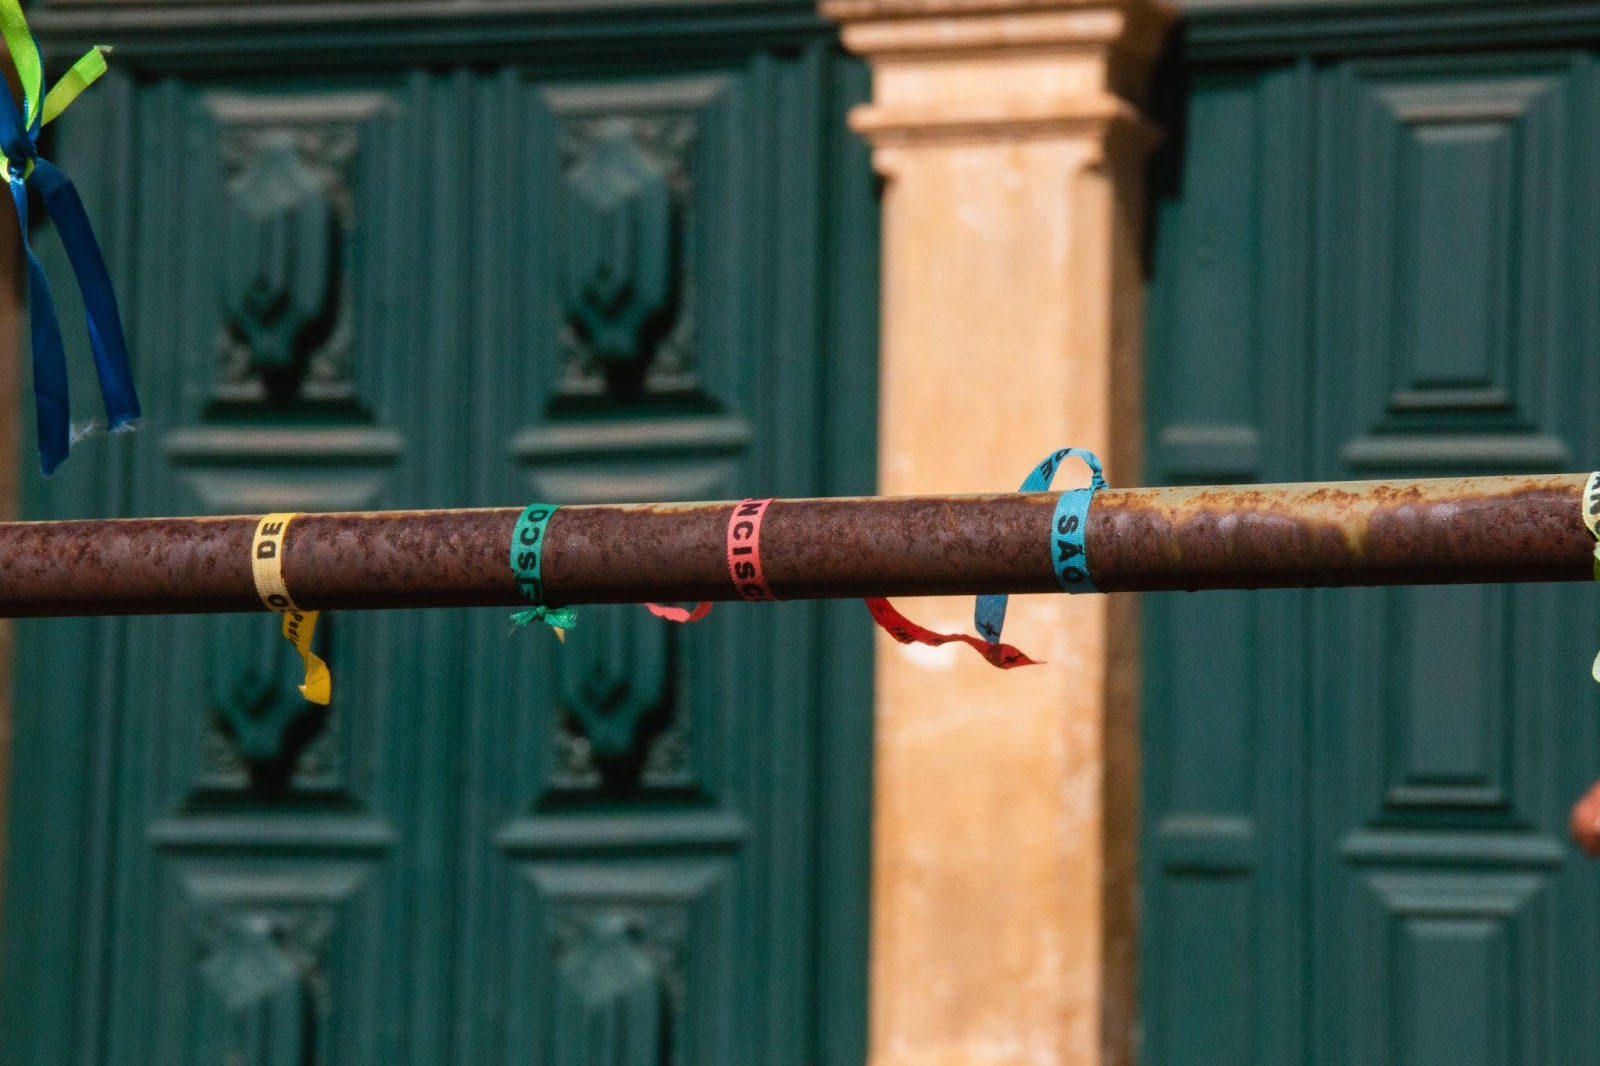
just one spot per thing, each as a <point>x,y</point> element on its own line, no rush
<point>559,619</point>
<point>24,170</point>
<point>19,158</point>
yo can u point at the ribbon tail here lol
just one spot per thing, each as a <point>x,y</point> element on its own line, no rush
<point>298,629</point>
<point>106,338</point>
<point>84,73</point>
<point>52,410</point>
<point>678,614</point>
<point>51,407</point>
<point>24,49</point>
<point>904,630</point>
<point>990,616</point>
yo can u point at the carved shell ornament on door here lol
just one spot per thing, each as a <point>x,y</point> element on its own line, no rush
<point>618,270</point>
<point>278,284</point>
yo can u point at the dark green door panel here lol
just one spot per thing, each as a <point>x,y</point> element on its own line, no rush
<point>641,276</point>
<point>1355,800</point>
<point>1448,897</point>
<point>1224,944</point>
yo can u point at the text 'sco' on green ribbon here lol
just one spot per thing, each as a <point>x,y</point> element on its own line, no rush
<point>527,563</point>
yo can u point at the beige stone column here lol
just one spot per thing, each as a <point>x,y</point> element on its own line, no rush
<point>1005,824</point>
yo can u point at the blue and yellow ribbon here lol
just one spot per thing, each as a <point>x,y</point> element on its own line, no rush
<point>24,170</point>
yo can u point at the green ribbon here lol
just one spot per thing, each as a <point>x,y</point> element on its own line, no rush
<point>527,556</point>
<point>558,618</point>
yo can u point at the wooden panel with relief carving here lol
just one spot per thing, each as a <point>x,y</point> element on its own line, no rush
<point>668,239</point>
<point>479,283</point>
<point>1356,800</point>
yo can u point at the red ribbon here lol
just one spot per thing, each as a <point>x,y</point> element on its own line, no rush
<point>901,628</point>
<point>744,550</point>
<point>744,564</point>
<point>679,614</point>
<point>748,576</point>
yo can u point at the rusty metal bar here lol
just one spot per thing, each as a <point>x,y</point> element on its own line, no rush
<point>1438,531</point>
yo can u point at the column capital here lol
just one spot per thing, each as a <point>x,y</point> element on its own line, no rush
<point>986,70</point>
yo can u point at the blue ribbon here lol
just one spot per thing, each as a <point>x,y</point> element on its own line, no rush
<point>1069,553</point>
<point>24,170</point>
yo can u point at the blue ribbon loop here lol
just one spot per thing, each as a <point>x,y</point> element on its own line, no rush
<point>24,170</point>
<point>1069,554</point>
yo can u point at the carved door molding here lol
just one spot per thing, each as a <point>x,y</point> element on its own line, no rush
<point>364,276</point>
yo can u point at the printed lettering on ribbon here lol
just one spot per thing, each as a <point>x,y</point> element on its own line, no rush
<point>744,550</point>
<point>527,564</point>
<point>266,566</point>
<point>1069,561</point>
<point>1069,550</point>
<point>744,563</point>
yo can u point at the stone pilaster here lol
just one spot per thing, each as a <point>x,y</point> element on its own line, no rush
<point>1013,146</point>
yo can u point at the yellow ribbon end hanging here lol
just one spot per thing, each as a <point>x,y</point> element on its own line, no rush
<point>84,73</point>
<point>266,565</point>
<point>25,54</point>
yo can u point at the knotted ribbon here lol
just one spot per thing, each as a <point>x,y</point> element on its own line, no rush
<point>527,563</point>
<point>24,169</point>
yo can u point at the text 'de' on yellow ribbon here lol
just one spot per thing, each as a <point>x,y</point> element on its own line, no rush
<point>266,563</point>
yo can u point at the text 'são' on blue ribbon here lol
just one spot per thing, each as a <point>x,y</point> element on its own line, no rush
<point>24,170</point>
<point>1069,552</point>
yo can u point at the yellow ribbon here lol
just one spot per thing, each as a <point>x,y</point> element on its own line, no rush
<point>37,105</point>
<point>266,564</point>
<point>25,54</point>
<point>82,74</point>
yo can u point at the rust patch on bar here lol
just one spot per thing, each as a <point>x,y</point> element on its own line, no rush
<point>1437,531</point>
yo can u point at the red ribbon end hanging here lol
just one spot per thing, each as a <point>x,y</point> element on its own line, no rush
<point>901,628</point>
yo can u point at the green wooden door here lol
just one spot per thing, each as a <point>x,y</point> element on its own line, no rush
<point>471,258</point>
<point>1372,265</point>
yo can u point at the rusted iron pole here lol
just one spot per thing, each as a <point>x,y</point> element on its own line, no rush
<point>1438,531</point>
